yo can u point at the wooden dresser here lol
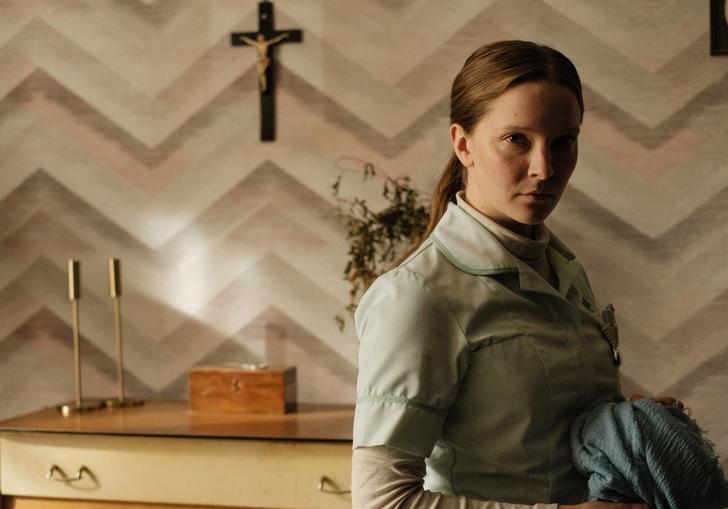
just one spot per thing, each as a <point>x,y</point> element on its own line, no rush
<point>161,453</point>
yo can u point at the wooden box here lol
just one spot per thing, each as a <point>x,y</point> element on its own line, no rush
<point>236,390</point>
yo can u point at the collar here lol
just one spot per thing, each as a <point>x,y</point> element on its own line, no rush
<point>524,248</point>
<point>472,248</point>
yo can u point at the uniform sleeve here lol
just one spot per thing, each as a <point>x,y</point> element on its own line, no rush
<point>385,478</point>
<point>412,357</point>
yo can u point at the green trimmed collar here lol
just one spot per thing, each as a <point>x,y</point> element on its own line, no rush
<point>472,248</point>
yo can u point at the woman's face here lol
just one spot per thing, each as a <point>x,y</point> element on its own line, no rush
<point>521,154</point>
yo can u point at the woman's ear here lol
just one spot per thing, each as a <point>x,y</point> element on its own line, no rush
<point>461,144</point>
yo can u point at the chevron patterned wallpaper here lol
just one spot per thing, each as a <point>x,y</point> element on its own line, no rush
<point>130,129</point>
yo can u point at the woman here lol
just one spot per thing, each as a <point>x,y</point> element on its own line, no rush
<point>479,349</point>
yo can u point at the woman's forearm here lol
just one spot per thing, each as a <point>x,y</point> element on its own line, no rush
<point>386,478</point>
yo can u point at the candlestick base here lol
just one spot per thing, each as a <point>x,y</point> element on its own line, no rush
<point>117,403</point>
<point>87,405</point>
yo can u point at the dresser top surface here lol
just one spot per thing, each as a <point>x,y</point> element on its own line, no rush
<point>174,419</point>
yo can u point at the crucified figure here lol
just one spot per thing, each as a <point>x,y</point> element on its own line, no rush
<point>261,46</point>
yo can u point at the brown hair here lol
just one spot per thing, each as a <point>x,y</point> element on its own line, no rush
<point>487,73</point>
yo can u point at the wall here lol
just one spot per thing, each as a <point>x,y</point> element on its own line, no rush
<point>130,129</point>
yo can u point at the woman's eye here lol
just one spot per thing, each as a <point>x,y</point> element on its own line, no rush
<point>516,138</point>
<point>565,141</point>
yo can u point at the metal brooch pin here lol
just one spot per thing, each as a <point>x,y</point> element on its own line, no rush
<point>611,333</point>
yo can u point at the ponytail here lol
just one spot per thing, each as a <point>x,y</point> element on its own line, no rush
<point>451,181</point>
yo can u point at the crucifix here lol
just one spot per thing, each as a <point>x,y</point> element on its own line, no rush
<point>263,41</point>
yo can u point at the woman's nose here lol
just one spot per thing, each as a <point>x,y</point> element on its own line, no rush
<point>540,167</point>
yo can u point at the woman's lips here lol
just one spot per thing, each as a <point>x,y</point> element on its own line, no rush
<point>537,196</point>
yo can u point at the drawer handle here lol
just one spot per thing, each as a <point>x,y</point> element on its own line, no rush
<point>55,469</point>
<point>332,491</point>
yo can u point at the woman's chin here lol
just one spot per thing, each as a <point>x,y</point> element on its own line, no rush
<point>534,215</point>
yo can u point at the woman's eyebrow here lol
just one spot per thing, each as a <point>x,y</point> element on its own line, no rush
<point>575,129</point>
<point>515,128</point>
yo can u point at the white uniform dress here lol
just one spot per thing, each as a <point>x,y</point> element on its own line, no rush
<point>470,358</point>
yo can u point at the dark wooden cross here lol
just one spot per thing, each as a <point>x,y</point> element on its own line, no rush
<point>263,41</point>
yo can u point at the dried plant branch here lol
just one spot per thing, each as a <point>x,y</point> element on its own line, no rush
<point>376,237</point>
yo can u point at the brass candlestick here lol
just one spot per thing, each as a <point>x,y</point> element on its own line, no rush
<point>115,292</point>
<point>74,294</point>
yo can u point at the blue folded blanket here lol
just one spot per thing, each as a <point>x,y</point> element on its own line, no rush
<point>645,452</point>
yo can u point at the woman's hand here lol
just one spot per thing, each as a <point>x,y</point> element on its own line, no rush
<point>663,400</point>
<point>604,505</point>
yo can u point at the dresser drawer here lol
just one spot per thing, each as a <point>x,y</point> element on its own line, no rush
<point>252,473</point>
